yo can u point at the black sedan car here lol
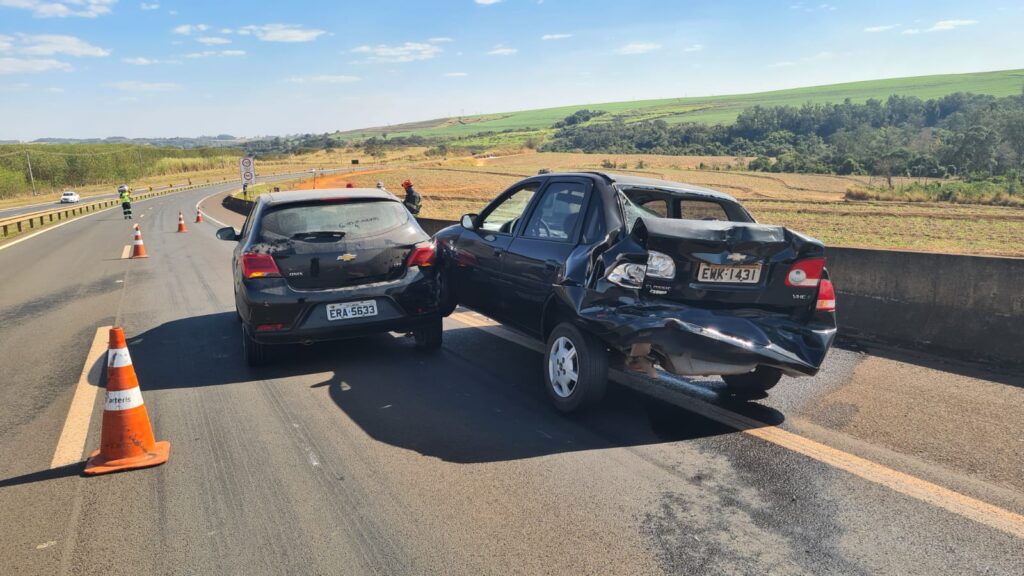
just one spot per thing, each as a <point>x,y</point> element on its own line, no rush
<point>328,264</point>
<point>642,273</point>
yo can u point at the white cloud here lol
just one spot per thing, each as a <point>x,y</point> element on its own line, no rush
<point>456,74</point>
<point>440,40</point>
<point>211,53</point>
<point>51,44</point>
<point>881,28</point>
<point>910,31</point>
<point>188,29</point>
<point>555,36</point>
<point>226,31</point>
<point>139,86</point>
<point>282,32</point>
<point>55,90</point>
<point>638,48</point>
<point>408,52</point>
<point>324,79</point>
<point>943,25</point>
<point>213,40</point>
<point>31,65</point>
<point>783,64</point>
<point>502,50</point>
<point>487,2</point>
<point>153,6</point>
<point>694,48</point>
<point>62,9</point>
<point>18,87</point>
<point>140,61</point>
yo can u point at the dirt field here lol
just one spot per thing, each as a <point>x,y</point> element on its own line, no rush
<point>812,204</point>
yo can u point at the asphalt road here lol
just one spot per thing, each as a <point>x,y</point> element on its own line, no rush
<point>370,457</point>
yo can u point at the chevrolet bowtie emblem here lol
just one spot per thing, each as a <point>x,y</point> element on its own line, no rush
<point>347,257</point>
<point>736,257</point>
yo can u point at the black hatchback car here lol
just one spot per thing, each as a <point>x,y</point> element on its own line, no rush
<point>329,264</point>
<point>640,273</point>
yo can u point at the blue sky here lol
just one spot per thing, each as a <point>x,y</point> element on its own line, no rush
<point>93,68</point>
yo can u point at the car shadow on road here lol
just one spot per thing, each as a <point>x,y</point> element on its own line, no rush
<point>479,399</point>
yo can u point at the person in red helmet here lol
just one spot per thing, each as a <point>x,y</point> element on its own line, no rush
<point>349,185</point>
<point>413,201</point>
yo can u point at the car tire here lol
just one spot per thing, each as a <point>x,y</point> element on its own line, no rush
<point>575,368</point>
<point>447,300</point>
<point>430,335</point>
<point>255,353</point>
<point>755,383</point>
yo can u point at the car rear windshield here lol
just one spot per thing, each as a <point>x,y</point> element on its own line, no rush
<point>349,220</point>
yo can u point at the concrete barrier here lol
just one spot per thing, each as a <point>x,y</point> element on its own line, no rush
<point>964,307</point>
<point>967,307</point>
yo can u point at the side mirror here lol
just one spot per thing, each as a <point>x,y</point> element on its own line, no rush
<point>468,221</point>
<point>227,233</point>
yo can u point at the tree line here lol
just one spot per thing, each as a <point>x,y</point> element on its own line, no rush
<point>47,167</point>
<point>955,135</point>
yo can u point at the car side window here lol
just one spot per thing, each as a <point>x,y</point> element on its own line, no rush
<point>702,210</point>
<point>656,206</point>
<point>503,217</point>
<point>558,212</point>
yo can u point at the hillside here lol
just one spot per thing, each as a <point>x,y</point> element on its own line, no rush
<point>712,109</point>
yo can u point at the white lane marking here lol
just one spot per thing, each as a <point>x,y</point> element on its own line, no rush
<point>126,252</point>
<point>123,399</point>
<point>48,228</point>
<point>71,445</point>
<point>207,216</point>
<point>912,486</point>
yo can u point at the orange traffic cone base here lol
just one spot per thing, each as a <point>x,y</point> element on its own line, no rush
<point>97,464</point>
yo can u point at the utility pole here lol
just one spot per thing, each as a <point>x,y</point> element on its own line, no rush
<point>30,176</point>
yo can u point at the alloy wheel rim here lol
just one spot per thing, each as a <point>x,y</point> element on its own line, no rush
<point>563,367</point>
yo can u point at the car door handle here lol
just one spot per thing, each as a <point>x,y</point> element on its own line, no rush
<point>498,252</point>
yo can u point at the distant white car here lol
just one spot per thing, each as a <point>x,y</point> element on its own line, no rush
<point>69,197</point>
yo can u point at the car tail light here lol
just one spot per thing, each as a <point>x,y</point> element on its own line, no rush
<point>269,327</point>
<point>805,273</point>
<point>826,297</point>
<point>660,265</point>
<point>628,275</point>
<point>259,266</point>
<point>421,256</point>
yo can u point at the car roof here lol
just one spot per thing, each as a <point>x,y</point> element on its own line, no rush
<point>631,181</point>
<point>289,197</point>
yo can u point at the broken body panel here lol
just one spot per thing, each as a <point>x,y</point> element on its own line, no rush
<point>688,325</point>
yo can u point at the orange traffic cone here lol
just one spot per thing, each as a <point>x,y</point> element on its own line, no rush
<point>138,248</point>
<point>181,223</point>
<point>127,439</point>
<point>199,215</point>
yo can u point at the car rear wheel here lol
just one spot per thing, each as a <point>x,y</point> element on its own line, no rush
<point>448,301</point>
<point>255,353</point>
<point>575,368</point>
<point>762,379</point>
<point>429,336</point>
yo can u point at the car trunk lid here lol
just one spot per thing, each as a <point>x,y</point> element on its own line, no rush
<point>728,264</point>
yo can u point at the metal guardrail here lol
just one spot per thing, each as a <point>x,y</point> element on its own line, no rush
<point>22,223</point>
<point>26,222</point>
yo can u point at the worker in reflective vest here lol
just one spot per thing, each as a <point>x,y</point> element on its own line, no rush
<point>126,200</point>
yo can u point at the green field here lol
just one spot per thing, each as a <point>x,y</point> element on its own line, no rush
<point>713,109</point>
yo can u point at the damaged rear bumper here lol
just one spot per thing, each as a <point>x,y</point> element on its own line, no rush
<point>694,341</point>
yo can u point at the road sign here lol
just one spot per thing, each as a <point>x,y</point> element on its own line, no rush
<point>247,168</point>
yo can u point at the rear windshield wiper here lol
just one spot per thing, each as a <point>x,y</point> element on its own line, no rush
<point>319,235</point>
